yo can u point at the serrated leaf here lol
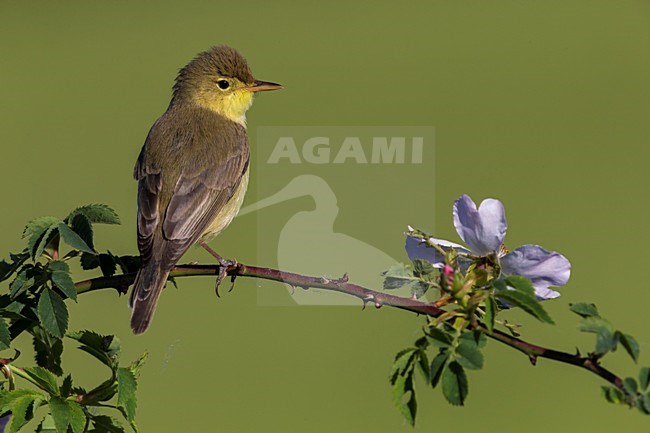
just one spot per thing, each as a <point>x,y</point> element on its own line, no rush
<point>22,403</point>
<point>106,348</point>
<point>66,413</point>
<point>490,313</point>
<point>644,378</point>
<point>53,313</point>
<point>630,385</point>
<point>47,425</point>
<point>606,337</point>
<point>49,239</point>
<point>477,338</point>
<point>66,386</point>
<point>62,279</point>
<point>126,389</point>
<point>630,344</point>
<point>438,366</point>
<point>48,350</point>
<point>106,424</point>
<point>404,395</point>
<point>82,226</point>
<point>520,284</point>
<point>129,264</point>
<point>107,264</point>
<point>422,268</point>
<point>469,356</point>
<point>454,384</point>
<point>423,363</point>
<point>96,213</point>
<point>22,282</point>
<point>77,417</point>
<point>35,230</point>
<point>439,337</point>
<point>73,239</point>
<point>16,261</point>
<point>44,378</point>
<point>526,302</point>
<point>60,415</point>
<point>585,310</point>
<point>89,261</point>
<point>5,336</point>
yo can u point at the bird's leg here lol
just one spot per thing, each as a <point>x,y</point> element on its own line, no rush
<point>224,266</point>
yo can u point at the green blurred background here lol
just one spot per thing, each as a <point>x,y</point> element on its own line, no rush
<point>543,105</point>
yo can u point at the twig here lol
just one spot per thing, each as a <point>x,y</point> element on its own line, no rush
<point>123,281</point>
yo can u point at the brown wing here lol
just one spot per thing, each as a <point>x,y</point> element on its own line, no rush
<point>178,202</point>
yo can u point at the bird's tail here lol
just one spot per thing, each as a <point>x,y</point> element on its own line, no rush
<point>147,288</point>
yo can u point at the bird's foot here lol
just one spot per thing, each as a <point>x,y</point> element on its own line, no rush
<point>225,266</point>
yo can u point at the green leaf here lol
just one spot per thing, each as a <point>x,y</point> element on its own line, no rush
<point>77,416</point>
<point>53,313</point>
<point>5,336</point>
<point>422,268</point>
<point>475,337</point>
<point>44,378</point>
<point>89,261</point>
<point>630,344</point>
<point>521,284</point>
<point>423,363</point>
<point>62,279</point>
<point>107,264</point>
<point>612,394</point>
<point>469,356</point>
<point>106,424</point>
<point>8,268</point>
<point>404,395</point>
<point>526,302</point>
<point>392,282</point>
<point>47,425</point>
<point>645,401</point>
<point>438,366</point>
<point>67,413</point>
<point>630,385</point>
<point>22,403</point>
<point>106,348</point>
<point>490,313</point>
<point>36,230</point>
<point>440,337</point>
<point>96,213</point>
<point>585,310</point>
<point>606,337</point>
<point>454,384</point>
<point>48,350</point>
<point>73,239</point>
<point>644,378</point>
<point>66,387</point>
<point>23,281</point>
<point>60,415</point>
<point>82,226</point>
<point>126,388</point>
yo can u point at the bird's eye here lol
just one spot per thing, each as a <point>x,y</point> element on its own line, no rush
<point>223,84</point>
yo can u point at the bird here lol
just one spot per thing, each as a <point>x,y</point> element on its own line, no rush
<point>193,170</point>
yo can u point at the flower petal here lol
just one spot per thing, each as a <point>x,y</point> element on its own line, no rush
<point>541,267</point>
<point>417,248</point>
<point>483,229</point>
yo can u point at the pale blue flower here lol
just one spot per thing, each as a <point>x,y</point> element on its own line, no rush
<point>483,229</point>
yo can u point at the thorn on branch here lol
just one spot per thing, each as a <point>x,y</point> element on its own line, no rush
<point>532,359</point>
<point>344,279</point>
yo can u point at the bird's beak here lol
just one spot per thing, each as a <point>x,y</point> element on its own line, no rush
<point>262,86</point>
